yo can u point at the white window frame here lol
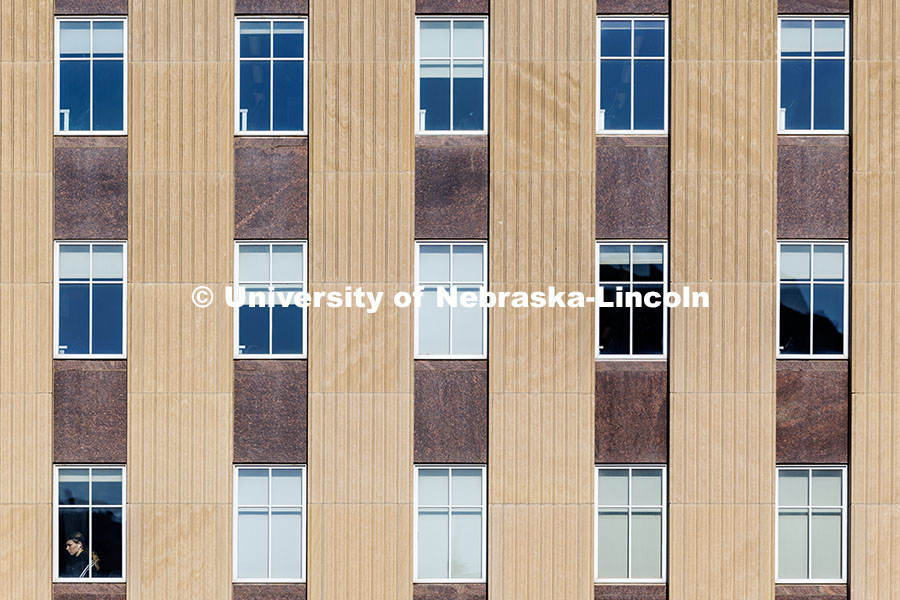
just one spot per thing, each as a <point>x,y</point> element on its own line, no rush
<point>600,112</point>
<point>484,310</point>
<point>846,283</point>
<point>812,57</point>
<point>271,60</point>
<point>665,520</point>
<point>809,508</point>
<point>665,283</point>
<point>271,285</point>
<point>305,524</point>
<point>90,506</point>
<point>56,283</point>
<point>418,124</point>
<point>56,88</point>
<point>450,507</point>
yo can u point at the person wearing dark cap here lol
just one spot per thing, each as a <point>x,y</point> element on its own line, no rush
<point>77,562</point>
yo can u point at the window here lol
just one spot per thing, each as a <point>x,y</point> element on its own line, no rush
<point>450,529</point>
<point>811,530</point>
<point>90,300</point>
<point>89,502</point>
<point>638,330</point>
<point>445,331</point>
<point>813,75</point>
<point>812,300</point>
<point>451,73</point>
<point>270,524</point>
<point>631,524</point>
<point>270,78</point>
<point>270,329</point>
<point>91,78</point>
<point>632,75</point>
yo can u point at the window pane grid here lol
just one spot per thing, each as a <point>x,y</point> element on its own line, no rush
<point>629,510</point>
<point>450,509</point>
<point>811,509</point>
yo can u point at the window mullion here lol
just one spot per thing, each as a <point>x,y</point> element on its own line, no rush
<point>91,79</point>
<point>90,298</point>
<point>812,86</point>
<point>269,525</point>
<point>450,511</point>
<point>271,79</point>
<point>452,25</point>
<point>632,76</point>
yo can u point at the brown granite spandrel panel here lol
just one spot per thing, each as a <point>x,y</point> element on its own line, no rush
<point>630,592</point>
<point>632,7</point>
<point>269,591</point>
<point>813,187</point>
<point>813,7</point>
<point>811,592</point>
<point>631,422</point>
<point>271,188</point>
<point>90,176</point>
<point>450,414</point>
<point>90,411</point>
<point>271,7</point>
<point>89,591</point>
<point>451,187</point>
<point>632,187</point>
<point>450,591</point>
<point>812,411</point>
<point>270,411</point>
<point>451,7</point>
<point>91,7</point>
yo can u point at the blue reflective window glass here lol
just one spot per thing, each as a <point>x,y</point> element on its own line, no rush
<point>649,38</point>
<point>253,333</point>
<point>75,94</point>
<point>648,324</point>
<point>613,324</point>
<point>74,301</point>
<point>829,94</point>
<point>106,525</point>
<point>255,39</point>
<point>288,96</point>
<point>107,319</point>
<point>649,94</point>
<point>796,93</point>
<point>254,93</point>
<point>108,98</point>
<point>468,96</point>
<point>794,318</point>
<point>288,39</point>
<point>434,95</point>
<point>615,93</point>
<point>287,330</point>
<point>828,319</point>
<point>615,38</point>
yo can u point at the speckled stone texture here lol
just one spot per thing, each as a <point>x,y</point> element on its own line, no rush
<point>632,7</point>
<point>813,7</point>
<point>89,591</point>
<point>449,7</point>
<point>271,187</point>
<point>90,177</point>
<point>450,412</point>
<point>812,411</point>
<point>90,411</point>
<point>811,592</point>
<point>91,7</point>
<point>630,592</point>
<point>632,187</point>
<point>451,187</point>
<point>450,591</point>
<point>270,405</point>
<point>631,422</point>
<point>271,7</point>
<point>813,187</point>
<point>269,591</point>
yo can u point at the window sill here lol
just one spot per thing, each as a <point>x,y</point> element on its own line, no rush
<point>467,132</point>
<point>91,133</point>
<point>811,356</point>
<point>271,134</point>
<point>632,133</point>
<point>270,357</point>
<point>802,132</point>
<point>89,357</point>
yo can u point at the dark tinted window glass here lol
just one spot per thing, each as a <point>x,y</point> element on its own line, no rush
<point>615,93</point>
<point>796,94</point>
<point>829,94</point>
<point>649,38</point>
<point>288,100</point>
<point>254,329</point>
<point>613,325</point>
<point>107,544</point>
<point>73,318</point>
<point>828,320</point>
<point>649,94</point>
<point>108,101</point>
<point>647,263</point>
<point>107,319</point>
<point>255,38</point>
<point>794,318</point>
<point>73,486</point>
<point>615,38</point>
<point>106,486</point>
<point>75,94</point>
<point>468,96</point>
<point>648,324</point>
<point>288,40</point>
<point>73,522</point>
<point>287,330</point>
<point>434,94</point>
<point>255,93</point>
<point>614,263</point>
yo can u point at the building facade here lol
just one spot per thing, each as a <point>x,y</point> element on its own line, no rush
<point>153,448</point>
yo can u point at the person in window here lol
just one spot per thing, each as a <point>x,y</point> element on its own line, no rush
<point>77,563</point>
